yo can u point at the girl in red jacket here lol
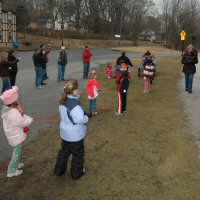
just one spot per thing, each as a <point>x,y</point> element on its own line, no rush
<point>93,86</point>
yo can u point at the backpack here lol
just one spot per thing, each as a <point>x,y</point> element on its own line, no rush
<point>124,83</point>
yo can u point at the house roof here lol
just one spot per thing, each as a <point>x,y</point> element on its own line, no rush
<point>147,32</point>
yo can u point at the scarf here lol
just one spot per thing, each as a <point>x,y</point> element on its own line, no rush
<point>19,107</point>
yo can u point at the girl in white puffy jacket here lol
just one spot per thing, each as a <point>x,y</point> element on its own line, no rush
<point>72,131</point>
<point>15,124</point>
<point>148,73</point>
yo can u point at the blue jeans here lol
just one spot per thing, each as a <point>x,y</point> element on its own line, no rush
<point>6,84</point>
<point>189,82</point>
<point>93,105</point>
<point>45,72</point>
<point>86,68</point>
<point>61,72</point>
<point>39,76</point>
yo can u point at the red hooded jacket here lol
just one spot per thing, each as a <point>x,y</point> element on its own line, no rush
<point>86,55</point>
<point>92,88</point>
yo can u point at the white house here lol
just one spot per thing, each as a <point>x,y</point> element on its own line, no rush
<point>58,25</point>
<point>147,35</point>
<point>45,23</point>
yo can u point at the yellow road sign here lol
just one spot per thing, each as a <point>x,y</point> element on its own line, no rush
<point>183,35</point>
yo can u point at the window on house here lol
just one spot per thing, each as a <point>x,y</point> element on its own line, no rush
<point>9,36</point>
<point>1,36</point>
<point>9,19</point>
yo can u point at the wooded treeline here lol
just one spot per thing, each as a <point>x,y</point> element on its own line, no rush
<point>125,17</point>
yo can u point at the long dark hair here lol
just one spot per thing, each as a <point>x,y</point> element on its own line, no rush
<point>11,52</point>
<point>70,86</point>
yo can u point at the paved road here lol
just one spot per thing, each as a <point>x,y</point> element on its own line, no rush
<point>191,103</point>
<point>41,103</point>
<point>44,102</point>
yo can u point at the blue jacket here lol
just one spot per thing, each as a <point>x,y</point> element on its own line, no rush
<point>73,120</point>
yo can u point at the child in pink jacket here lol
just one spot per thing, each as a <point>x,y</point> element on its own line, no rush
<point>15,124</point>
<point>109,71</point>
<point>93,86</point>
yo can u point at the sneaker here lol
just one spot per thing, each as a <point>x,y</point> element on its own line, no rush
<point>118,114</point>
<point>20,165</point>
<point>16,173</point>
<point>145,91</point>
<point>40,87</point>
<point>190,92</point>
<point>94,113</point>
<point>63,79</point>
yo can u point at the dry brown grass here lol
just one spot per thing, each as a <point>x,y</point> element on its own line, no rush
<point>154,48</point>
<point>73,43</point>
<point>143,155</point>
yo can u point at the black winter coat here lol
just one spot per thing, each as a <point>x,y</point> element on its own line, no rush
<point>189,61</point>
<point>14,68</point>
<point>4,67</point>
<point>39,60</point>
<point>125,59</point>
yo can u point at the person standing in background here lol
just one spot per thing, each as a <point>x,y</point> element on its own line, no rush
<point>124,59</point>
<point>189,60</point>
<point>14,67</point>
<point>87,54</point>
<point>62,62</point>
<point>38,60</point>
<point>45,50</point>
<point>5,67</point>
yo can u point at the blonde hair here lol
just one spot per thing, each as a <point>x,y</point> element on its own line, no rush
<point>4,56</point>
<point>92,76</point>
<point>189,47</point>
<point>70,86</point>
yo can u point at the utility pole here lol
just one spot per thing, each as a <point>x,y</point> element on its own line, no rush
<point>62,22</point>
<point>120,28</point>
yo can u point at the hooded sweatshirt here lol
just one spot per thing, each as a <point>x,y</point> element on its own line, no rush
<point>92,88</point>
<point>13,124</point>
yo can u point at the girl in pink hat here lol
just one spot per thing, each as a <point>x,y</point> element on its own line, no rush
<point>15,124</point>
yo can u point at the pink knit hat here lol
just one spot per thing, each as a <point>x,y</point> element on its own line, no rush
<point>93,72</point>
<point>10,96</point>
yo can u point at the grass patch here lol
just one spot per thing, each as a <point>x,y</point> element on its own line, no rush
<point>142,155</point>
<point>154,48</point>
<point>74,43</point>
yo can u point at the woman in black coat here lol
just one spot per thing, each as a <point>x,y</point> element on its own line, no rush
<point>13,68</point>
<point>5,66</point>
<point>189,60</point>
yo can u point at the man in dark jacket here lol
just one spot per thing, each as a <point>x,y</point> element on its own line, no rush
<point>125,59</point>
<point>39,60</point>
<point>62,62</point>
<point>45,50</point>
<point>189,60</point>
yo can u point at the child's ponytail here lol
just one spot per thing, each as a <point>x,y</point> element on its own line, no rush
<point>70,86</point>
